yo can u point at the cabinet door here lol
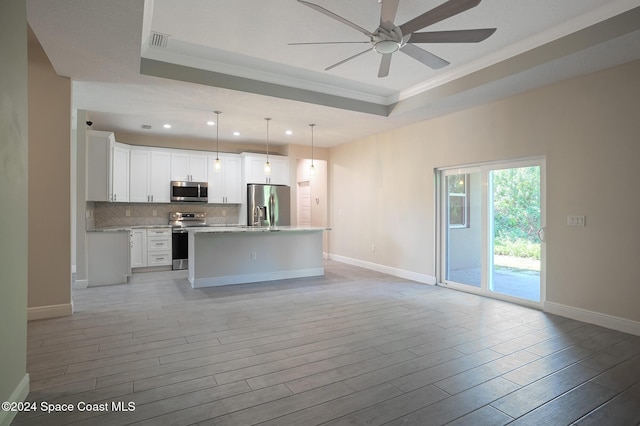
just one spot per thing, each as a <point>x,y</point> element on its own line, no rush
<point>198,167</point>
<point>279,171</point>
<point>216,180</point>
<point>99,145</point>
<point>139,176</point>
<point>232,185</point>
<point>225,185</point>
<point>179,166</point>
<point>120,174</point>
<point>254,169</point>
<point>160,177</point>
<point>138,248</point>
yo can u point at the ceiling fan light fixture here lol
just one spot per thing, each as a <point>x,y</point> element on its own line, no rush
<point>386,46</point>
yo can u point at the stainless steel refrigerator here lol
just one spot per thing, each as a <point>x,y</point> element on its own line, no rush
<point>268,205</point>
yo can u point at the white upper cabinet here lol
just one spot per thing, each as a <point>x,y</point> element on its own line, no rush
<point>140,162</point>
<point>254,169</point>
<point>149,176</point>
<point>120,173</point>
<point>107,168</point>
<point>160,177</point>
<point>225,185</point>
<point>188,167</point>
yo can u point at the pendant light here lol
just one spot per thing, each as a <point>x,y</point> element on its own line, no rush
<point>312,169</point>
<point>217,164</point>
<point>267,165</point>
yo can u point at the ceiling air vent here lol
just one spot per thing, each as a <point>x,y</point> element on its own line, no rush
<point>159,40</point>
<point>146,126</point>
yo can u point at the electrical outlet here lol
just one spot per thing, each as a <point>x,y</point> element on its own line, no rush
<point>224,212</point>
<point>373,247</point>
<point>253,255</point>
<point>127,212</point>
<point>155,212</point>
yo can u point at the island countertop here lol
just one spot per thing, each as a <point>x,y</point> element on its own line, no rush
<point>228,229</point>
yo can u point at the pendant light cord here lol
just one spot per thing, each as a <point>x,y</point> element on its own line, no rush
<point>217,134</point>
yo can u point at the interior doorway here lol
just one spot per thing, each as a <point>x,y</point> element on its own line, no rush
<point>311,196</point>
<point>492,221</point>
<point>304,203</point>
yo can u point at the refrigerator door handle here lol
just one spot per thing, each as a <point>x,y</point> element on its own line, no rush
<point>272,207</point>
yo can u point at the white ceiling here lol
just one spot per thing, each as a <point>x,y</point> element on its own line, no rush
<point>234,56</point>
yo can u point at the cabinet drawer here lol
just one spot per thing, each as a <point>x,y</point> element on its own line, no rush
<point>159,258</point>
<point>158,243</point>
<point>159,232</point>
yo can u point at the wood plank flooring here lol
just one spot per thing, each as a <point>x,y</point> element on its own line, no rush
<point>352,347</point>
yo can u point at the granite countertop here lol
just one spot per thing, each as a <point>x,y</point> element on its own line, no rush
<point>236,229</point>
<point>215,228</point>
<point>127,228</point>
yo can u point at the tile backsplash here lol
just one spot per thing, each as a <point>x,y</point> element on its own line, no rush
<point>131,214</point>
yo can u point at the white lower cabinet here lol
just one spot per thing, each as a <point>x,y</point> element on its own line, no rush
<point>138,248</point>
<point>158,246</point>
<point>150,247</point>
<point>107,258</point>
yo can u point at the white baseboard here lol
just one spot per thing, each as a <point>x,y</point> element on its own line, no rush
<point>396,272</point>
<point>591,317</point>
<point>51,311</point>
<point>19,394</point>
<point>252,278</point>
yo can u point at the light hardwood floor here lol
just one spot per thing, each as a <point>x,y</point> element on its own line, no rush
<point>352,347</point>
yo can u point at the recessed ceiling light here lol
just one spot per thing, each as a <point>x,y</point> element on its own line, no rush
<point>167,126</point>
<point>211,123</point>
<point>288,132</point>
<point>236,133</point>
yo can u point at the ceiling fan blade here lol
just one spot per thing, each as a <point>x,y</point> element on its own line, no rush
<point>427,58</point>
<point>345,60</point>
<point>336,17</point>
<point>385,64</point>
<point>459,36</point>
<point>329,42</point>
<point>437,14</point>
<point>388,13</point>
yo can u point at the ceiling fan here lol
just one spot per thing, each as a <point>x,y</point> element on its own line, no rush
<point>389,37</point>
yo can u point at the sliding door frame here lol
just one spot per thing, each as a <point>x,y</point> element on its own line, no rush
<point>486,214</point>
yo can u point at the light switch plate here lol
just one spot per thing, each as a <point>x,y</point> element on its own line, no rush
<point>573,220</point>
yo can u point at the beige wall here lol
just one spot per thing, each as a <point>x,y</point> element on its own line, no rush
<point>588,129</point>
<point>49,187</point>
<point>14,381</point>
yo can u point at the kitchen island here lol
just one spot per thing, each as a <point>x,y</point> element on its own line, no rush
<point>236,255</point>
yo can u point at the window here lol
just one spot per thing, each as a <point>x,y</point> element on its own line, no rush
<point>458,194</point>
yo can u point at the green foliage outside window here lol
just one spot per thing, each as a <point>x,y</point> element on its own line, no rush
<point>516,202</point>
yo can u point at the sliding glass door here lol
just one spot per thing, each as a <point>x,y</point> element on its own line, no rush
<point>492,220</point>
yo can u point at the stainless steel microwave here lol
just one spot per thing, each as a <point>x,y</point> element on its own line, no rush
<point>183,191</point>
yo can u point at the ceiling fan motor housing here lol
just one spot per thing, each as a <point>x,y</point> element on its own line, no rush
<point>385,41</point>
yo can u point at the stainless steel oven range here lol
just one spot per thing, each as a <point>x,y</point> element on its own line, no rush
<point>179,221</point>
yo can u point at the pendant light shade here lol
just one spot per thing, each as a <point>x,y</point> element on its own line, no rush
<point>217,164</point>
<point>312,169</point>
<point>267,165</point>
